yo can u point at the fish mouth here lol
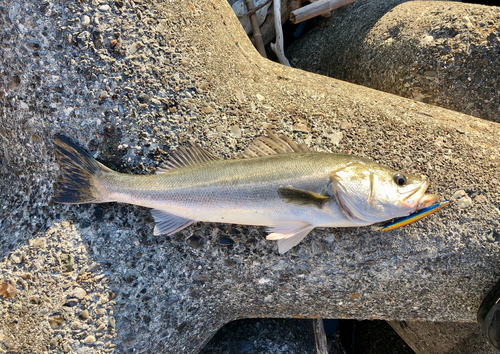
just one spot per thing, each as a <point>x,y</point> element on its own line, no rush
<point>417,199</point>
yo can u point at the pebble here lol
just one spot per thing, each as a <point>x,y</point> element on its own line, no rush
<point>336,137</point>
<point>66,347</point>
<point>85,20</point>
<point>463,200</point>
<point>7,290</point>
<point>225,241</point>
<point>196,241</point>
<point>84,315</point>
<point>300,127</point>
<point>207,110</point>
<point>40,242</point>
<point>78,293</point>
<point>464,203</point>
<point>345,125</point>
<point>89,340</point>
<point>427,39</point>
<point>143,98</point>
<point>268,298</point>
<point>236,131</point>
<point>76,325</point>
<point>104,8</point>
<point>200,276</point>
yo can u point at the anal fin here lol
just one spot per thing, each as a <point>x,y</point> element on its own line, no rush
<point>167,223</point>
<point>289,234</point>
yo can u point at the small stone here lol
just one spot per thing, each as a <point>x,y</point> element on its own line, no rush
<point>104,8</point>
<point>67,262</point>
<point>7,289</point>
<point>66,347</point>
<point>336,137</point>
<point>196,241</point>
<point>431,73</point>
<point>40,242</point>
<point>143,98</point>
<point>345,125</point>
<point>207,110</point>
<point>260,97</point>
<point>89,340</point>
<point>225,241</point>
<point>76,325</point>
<point>418,97</point>
<point>480,199</point>
<point>84,315</point>
<point>201,276</point>
<point>78,293</point>
<point>85,20</point>
<point>56,321</point>
<point>427,39</point>
<point>236,131</point>
<point>82,39</point>
<point>459,194</point>
<point>268,298</point>
<point>135,47</point>
<point>112,322</point>
<point>300,127</point>
<point>279,266</point>
<point>464,202</point>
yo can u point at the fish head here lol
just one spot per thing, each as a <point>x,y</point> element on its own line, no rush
<point>372,193</point>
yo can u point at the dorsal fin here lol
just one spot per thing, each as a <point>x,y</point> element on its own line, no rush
<point>186,156</point>
<point>273,145</point>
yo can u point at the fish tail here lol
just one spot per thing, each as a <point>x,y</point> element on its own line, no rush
<point>79,173</point>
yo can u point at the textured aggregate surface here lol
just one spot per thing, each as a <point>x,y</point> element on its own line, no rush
<point>132,80</point>
<point>442,53</point>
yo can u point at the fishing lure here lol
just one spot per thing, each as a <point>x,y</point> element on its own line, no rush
<point>420,214</point>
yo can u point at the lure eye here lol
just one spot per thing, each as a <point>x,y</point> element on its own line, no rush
<point>399,179</point>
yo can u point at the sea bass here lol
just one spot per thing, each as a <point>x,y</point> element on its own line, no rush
<point>277,184</point>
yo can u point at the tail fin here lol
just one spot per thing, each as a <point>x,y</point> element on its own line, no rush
<point>78,174</point>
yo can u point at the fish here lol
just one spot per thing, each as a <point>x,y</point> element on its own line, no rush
<point>420,214</point>
<point>275,183</point>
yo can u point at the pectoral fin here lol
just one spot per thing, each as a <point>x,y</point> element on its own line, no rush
<point>289,234</point>
<point>301,197</point>
<point>167,223</point>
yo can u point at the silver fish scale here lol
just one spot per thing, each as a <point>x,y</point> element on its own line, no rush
<point>224,190</point>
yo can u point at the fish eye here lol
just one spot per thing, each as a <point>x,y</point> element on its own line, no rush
<point>399,179</point>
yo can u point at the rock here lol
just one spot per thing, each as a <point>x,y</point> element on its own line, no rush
<point>78,293</point>
<point>207,110</point>
<point>300,127</point>
<point>344,125</point>
<point>160,306</point>
<point>425,50</point>
<point>89,340</point>
<point>236,131</point>
<point>84,315</point>
<point>7,289</point>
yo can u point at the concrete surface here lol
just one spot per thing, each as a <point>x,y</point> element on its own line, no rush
<point>437,52</point>
<point>131,81</point>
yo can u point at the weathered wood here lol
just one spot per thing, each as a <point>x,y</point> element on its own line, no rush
<point>320,336</point>
<point>277,47</point>
<point>316,8</point>
<point>256,29</point>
